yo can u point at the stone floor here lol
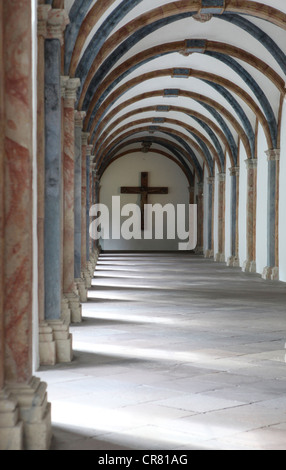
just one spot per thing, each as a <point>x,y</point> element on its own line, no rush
<point>174,353</point>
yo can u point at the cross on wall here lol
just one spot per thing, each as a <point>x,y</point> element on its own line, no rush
<point>144,190</point>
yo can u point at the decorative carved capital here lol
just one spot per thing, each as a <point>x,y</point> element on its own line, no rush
<point>251,163</point>
<point>79,118</point>
<point>273,155</point>
<point>234,171</point>
<point>43,13</point>
<point>211,179</point>
<point>221,177</point>
<point>71,88</point>
<point>84,138</point>
<point>56,24</point>
<point>89,150</point>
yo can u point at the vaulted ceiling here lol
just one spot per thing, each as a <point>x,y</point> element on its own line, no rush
<point>190,78</point>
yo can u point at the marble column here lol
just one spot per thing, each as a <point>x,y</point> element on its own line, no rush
<point>233,260</point>
<point>53,187</point>
<point>84,157</point>
<point>220,256</point>
<point>271,271</point>
<point>210,241</point>
<point>25,414</point>
<point>79,117</point>
<point>89,159</point>
<point>69,287</point>
<point>47,345</point>
<point>250,263</point>
<point>200,202</point>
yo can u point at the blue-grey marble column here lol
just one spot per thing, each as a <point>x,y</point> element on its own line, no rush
<point>271,270</point>
<point>52,226</point>
<point>234,181</point>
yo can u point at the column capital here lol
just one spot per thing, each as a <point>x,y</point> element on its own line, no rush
<point>43,13</point>
<point>211,179</point>
<point>79,118</point>
<point>273,155</point>
<point>84,138</point>
<point>234,170</point>
<point>221,177</point>
<point>71,88</point>
<point>251,163</point>
<point>56,24</point>
<point>89,150</point>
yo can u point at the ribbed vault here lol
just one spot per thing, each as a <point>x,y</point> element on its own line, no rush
<point>193,78</point>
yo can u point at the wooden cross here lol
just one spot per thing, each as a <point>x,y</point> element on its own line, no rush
<point>143,190</point>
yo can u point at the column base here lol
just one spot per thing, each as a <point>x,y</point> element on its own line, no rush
<point>65,311</point>
<point>270,273</point>
<point>249,267</point>
<point>47,345</point>
<point>233,261</point>
<point>81,289</point>
<point>63,340</point>
<point>11,429</point>
<point>199,250</point>
<point>220,258</point>
<point>209,254</point>
<point>35,413</point>
<point>75,307</point>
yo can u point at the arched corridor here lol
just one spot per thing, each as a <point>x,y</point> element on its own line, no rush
<point>183,355</point>
<point>142,224</point>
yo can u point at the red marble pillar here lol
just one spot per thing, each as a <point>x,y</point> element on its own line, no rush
<point>220,256</point>
<point>84,270</point>
<point>250,263</point>
<point>27,391</point>
<point>69,287</point>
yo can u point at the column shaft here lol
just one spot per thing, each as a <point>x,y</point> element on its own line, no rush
<point>250,263</point>
<point>271,271</point>
<point>24,397</point>
<point>52,180</point>
<point>220,256</point>
<point>234,233</point>
<point>209,250</point>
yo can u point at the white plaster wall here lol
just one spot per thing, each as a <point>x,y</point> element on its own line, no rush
<point>227,209</point>
<point>261,216</point>
<point>242,206</point>
<point>126,172</point>
<point>282,201</point>
<point>216,212</point>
